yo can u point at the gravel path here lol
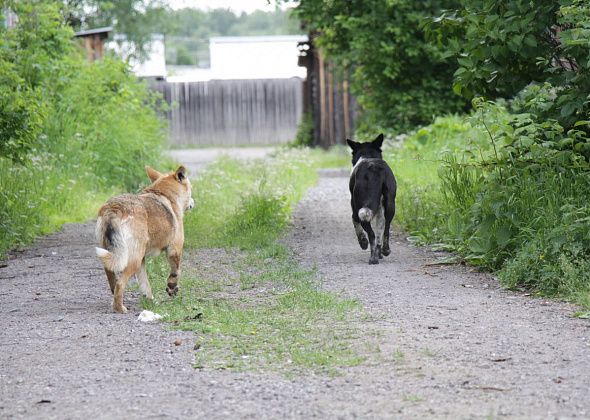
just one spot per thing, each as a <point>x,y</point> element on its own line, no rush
<point>453,344</point>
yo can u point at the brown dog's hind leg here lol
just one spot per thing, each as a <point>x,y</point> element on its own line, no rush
<point>121,284</point>
<point>144,283</point>
<point>112,279</point>
<point>174,261</point>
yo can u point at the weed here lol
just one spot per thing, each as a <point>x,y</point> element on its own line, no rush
<point>413,398</point>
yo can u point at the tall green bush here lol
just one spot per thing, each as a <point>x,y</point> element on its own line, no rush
<point>71,132</point>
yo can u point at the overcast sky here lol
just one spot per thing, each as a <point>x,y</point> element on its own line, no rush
<point>237,6</point>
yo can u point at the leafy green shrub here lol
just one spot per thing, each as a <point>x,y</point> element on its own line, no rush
<point>305,129</point>
<point>556,260</point>
<point>511,195</point>
<point>71,132</point>
<point>106,121</point>
<point>503,46</point>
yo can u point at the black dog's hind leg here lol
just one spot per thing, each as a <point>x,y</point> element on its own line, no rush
<point>389,213</point>
<point>360,233</point>
<point>379,220</point>
<point>374,248</point>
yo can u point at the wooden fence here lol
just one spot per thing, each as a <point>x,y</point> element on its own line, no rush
<point>233,112</point>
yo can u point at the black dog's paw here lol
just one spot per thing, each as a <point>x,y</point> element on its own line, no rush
<point>172,289</point>
<point>386,251</point>
<point>373,261</point>
<point>363,242</point>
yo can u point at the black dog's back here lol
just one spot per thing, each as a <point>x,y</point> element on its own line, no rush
<point>370,181</point>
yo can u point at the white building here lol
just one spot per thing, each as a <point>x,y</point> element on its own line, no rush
<point>256,57</point>
<point>246,57</point>
<point>155,64</point>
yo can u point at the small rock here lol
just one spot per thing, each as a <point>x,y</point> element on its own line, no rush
<point>177,342</point>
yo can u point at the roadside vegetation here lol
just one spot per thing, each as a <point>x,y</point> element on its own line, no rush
<point>71,132</point>
<point>251,304</point>
<point>506,184</point>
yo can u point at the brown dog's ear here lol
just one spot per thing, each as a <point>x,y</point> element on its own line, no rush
<point>152,173</point>
<point>353,144</point>
<point>378,141</point>
<point>180,174</point>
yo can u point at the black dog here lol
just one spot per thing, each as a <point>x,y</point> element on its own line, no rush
<point>372,190</point>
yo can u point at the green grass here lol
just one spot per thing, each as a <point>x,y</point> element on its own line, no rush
<point>250,304</point>
<point>237,203</point>
<point>39,199</point>
<point>273,316</point>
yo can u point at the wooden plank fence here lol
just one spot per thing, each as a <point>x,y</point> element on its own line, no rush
<point>233,112</point>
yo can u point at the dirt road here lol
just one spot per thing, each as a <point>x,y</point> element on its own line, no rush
<point>453,343</point>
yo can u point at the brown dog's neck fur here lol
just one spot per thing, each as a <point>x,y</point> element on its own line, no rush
<point>167,186</point>
<point>173,204</point>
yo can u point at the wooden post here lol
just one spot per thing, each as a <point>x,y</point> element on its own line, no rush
<point>346,110</point>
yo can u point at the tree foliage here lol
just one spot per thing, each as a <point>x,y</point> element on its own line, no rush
<point>400,79</point>
<point>502,46</point>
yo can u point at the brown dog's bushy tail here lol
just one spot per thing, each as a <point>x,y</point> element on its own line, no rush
<point>106,257</point>
<point>113,250</point>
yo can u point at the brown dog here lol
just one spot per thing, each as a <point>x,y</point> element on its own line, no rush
<point>133,226</point>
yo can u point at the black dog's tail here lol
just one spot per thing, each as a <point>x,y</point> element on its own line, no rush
<point>365,214</point>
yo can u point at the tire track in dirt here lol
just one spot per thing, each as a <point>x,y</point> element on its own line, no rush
<point>453,344</point>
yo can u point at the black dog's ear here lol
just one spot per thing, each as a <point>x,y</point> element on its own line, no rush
<point>180,174</point>
<point>378,141</point>
<point>353,144</point>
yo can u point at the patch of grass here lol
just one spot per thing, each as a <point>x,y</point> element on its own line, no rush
<point>242,203</point>
<point>399,356</point>
<point>281,321</point>
<point>421,205</point>
<point>428,352</point>
<point>413,398</point>
<point>250,304</point>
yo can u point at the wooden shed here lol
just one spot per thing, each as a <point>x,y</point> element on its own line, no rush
<point>93,41</point>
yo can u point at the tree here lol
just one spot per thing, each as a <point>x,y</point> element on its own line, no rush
<point>399,78</point>
<point>502,46</point>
